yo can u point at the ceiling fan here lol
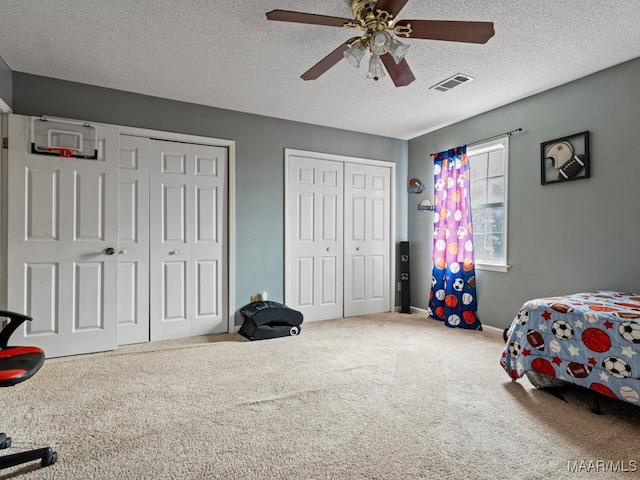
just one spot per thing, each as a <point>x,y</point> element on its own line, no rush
<point>380,28</point>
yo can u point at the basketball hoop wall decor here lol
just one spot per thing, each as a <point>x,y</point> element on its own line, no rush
<point>565,159</point>
<point>63,138</point>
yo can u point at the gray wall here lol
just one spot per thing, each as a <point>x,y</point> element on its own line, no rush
<point>260,143</point>
<point>563,238</point>
<point>6,83</point>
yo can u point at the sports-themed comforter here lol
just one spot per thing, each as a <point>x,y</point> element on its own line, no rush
<point>589,339</point>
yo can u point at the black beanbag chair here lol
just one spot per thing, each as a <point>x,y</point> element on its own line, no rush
<point>267,319</point>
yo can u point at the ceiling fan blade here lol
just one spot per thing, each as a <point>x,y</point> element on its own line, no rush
<point>309,18</point>
<point>400,73</point>
<point>450,31</point>
<point>391,6</point>
<point>327,62</point>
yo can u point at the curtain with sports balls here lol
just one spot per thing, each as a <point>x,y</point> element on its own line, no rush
<point>453,283</point>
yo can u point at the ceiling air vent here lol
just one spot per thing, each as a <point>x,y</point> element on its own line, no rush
<point>449,83</point>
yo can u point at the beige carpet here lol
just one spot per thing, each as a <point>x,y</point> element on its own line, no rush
<point>387,396</point>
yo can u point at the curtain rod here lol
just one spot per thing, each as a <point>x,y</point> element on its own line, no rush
<point>517,130</point>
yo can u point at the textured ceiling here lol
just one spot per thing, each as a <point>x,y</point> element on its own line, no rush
<point>224,53</point>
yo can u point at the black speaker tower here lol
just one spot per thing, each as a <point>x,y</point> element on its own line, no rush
<point>405,292</point>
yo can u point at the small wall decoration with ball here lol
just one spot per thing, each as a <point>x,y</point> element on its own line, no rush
<point>565,159</point>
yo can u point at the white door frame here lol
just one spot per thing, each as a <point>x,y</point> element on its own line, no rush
<point>231,172</point>
<point>290,152</point>
<point>5,110</point>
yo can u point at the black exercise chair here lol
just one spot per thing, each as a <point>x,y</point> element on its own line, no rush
<point>18,364</point>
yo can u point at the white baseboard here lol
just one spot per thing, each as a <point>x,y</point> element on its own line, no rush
<point>489,328</point>
<point>419,310</point>
<point>412,309</point>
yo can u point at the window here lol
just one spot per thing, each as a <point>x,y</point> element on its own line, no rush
<point>488,164</point>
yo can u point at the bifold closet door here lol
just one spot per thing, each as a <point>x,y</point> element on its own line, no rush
<point>62,240</point>
<point>188,228</point>
<point>133,240</point>
<point>367,239</point>
<point>314,281</point>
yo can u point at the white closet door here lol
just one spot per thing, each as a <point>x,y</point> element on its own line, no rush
<point>61,226</point>
<point>188,225</point>
<point>315,233</point>
<point>133,241</point>
<point>367,239</point>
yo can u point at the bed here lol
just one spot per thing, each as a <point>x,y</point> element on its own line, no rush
<point>588,339</point>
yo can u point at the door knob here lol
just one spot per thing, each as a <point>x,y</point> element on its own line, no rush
<point>173,252</point>
<point>109,251</point>
<point>122,252</point>
<point>357,249</point>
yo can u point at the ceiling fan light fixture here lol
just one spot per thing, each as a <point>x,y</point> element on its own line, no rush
<point>376,69</point>
<point>379,27</point>
<point>398,50</point>
<point>354,54</point>
<point>380,43</point>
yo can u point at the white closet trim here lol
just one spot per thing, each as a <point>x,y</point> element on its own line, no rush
<point>290,152</point>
